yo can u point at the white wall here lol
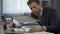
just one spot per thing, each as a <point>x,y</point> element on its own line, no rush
<point>1,7</point>
<point>15,7</point>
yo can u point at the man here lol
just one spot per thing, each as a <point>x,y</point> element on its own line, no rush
<point>49,21</point>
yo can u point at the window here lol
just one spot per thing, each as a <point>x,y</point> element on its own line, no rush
<point>15,7</point>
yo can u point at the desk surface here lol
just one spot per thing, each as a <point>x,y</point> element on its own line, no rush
<point>32,33</point>
<point>39,33</point>
<point>1,29</point>
<point>20,32</point>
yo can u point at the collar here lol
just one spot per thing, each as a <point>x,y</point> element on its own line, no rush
<point>41,11</point>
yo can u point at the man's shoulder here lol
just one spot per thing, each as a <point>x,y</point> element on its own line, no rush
<point>49,8</point>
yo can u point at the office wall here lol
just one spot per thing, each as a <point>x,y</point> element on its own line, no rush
<point>1,7</point>
<point>57,6</point>
<point>15,7</point>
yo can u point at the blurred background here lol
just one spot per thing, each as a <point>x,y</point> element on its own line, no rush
<point>20,7</point>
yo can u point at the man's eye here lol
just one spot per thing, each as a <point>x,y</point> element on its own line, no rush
<point>34,7</point>
<point>31,8</point>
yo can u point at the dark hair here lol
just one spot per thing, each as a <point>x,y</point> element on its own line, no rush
<point>30,1</point>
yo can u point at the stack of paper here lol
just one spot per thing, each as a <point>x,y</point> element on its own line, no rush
<point>24,19</point>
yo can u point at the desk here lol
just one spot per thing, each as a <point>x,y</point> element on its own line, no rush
<point>25,20</point>
<point>39,33</point>
<point>1,29</point>
<point>20,32</point>
<point>32,33</point>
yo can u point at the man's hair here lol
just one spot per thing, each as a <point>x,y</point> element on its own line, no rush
<point>30,1</point>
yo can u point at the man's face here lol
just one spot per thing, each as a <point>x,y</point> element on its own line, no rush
<point>36,8</point>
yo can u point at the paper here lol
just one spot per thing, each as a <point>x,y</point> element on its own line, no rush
<point>24,19</point>
<point>26,28</point>
<point>16,22</point>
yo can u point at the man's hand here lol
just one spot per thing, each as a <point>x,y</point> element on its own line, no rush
<point>36,29</point>
<point>11,25</point>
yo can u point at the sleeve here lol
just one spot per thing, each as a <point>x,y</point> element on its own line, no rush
<point>54,21</point>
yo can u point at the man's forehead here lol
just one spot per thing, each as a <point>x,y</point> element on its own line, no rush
<point>33,4</point>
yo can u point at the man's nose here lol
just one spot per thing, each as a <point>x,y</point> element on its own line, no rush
<point>33,10</point>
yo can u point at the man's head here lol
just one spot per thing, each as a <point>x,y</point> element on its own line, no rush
<point>35,6</point>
